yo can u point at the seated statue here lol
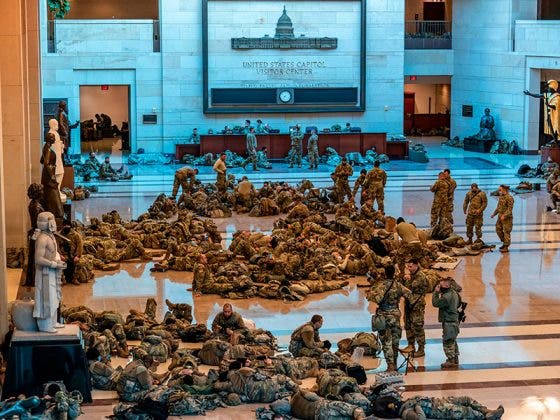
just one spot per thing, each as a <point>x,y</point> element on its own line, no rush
<point>486,132</point>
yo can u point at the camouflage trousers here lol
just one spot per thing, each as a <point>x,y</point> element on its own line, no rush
<point>449,338</point>
<point>251,158</point>
<point>313,156</point>
<point>407,252</point>
<point>439,212</point>
<point>452,408</point>
<point>184,183</point>
<point>221,183</point>
<point>377,193</point>
<point>295,156</point>
<point>391,335</point>
<point>474,222</point>
<point>414,323</point>
<point>343,190</point>
<point>503,229</point>
<point>298,349</point>
<point>448,211</point>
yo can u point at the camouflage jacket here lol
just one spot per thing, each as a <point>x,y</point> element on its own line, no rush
<point>221,323</point>
<point>359,182</point>
<point>313,141</point>
<point>387,294</point>
<point>475,202</point>
<point>375,177</point>
<point>452,185</point>
<point>505,206</point>
<point>440,190</point>
<point>343,171</point>
<point>308,335</point>
<point>296,138</point>
<point>251,143</point>
<point>418,286</point>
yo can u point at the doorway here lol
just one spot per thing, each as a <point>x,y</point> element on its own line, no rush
<point>105,116</point>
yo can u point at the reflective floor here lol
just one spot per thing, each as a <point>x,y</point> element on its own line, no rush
<point>510,342</point>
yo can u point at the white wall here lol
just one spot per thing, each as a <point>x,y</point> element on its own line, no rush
<point>113,102</point>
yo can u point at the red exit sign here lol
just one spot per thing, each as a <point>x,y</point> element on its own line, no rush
<point>412,78</point>
<point>104,87</point>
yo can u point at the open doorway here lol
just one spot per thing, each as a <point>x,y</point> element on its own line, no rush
<point>105,116</point>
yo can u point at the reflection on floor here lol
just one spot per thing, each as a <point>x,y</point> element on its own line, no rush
<point>509,343</point>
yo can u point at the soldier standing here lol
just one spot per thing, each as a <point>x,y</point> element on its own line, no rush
<point>414,307</point>
<point>341,174</point>
<point>447,300</point>
<point>387,294</point>
<point>305,340</point>
<point>360,183</point>
<point>185,177</point>
<point>375,184</point>
<point>220,169</point>
<point>410,246</point>
<point>296,137</point>
<point>450,195</point>
<point>73,249</point>
<point>194,137</point>
<point>441,196</point>
<point>504,210</point>
<point>473,206</point>
<point>251,144</point>
<point>313,149</point>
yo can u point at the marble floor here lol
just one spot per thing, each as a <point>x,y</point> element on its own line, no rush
<point>511,339</point>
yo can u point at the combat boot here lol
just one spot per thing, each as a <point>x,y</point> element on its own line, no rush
<point>495,414</point>
<point>449,364</point>
<point>504,249</point>
<point>420,352</point>
<point>456,360</point>
<point>469,241</point>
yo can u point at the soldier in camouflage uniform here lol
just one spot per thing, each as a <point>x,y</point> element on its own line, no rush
<point>251,144</point>
<point>135,379</point>
<point>313,149</point>
<point>450,195</point>
<point>447,300</point>
<point>305,340</point>
<point>341,175</point>
<point>504,223</point>
<point>228,324</point>
<point>308,405</point>
<point>220,169</point>
<point>387,294</point>
<point>410,246</point>
<point>184,177</point>
<point>360,183</point>
<point>375,185</point>
<point>103,376</point>
<point>449,408</point>
<point>296,138</point>
<point>107,172</point>
<point>72,249</point>
<point>414,307</point>
<point>441,198</point>
<point>473,206</point>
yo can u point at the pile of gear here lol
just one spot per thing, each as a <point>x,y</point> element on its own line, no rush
<point>505,147</point>
<point>79,192</point>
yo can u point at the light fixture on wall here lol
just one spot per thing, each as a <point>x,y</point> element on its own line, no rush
<point>154,110</point>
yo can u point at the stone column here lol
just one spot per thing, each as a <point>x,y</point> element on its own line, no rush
<point>3,279</point>
<point>21,111</point>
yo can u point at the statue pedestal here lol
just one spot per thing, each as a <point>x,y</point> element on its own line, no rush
<point>36,358</point>
<point>474,145</point>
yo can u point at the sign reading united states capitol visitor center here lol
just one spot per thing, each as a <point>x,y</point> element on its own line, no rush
<point>292,56</point>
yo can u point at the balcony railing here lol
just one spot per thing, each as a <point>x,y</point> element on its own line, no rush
<point>427,34</point>
<point>103,36</point>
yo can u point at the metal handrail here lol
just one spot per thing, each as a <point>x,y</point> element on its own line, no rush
<point>427,29</point>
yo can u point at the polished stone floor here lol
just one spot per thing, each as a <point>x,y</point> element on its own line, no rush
<point>510,342</point>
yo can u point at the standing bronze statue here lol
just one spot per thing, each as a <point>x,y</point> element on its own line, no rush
<point>51,195</point>
<point>63,126</point>
<point>552,103</point>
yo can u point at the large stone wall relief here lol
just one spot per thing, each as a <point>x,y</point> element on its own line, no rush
<point>301,56</point>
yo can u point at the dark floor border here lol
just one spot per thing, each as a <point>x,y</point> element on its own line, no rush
<point>482,385</point>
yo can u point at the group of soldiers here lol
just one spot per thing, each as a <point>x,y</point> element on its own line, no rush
<point>92,168</point>
<point>244,369</point>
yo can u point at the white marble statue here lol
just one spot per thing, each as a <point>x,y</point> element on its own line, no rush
<point>58,148</point>
<point>48,273</point>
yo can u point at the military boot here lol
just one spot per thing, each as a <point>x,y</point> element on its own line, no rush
<point>504,249</point>
<point>456,360</point>
<point>495,414</point>
<point>449,364</point>
<point>420,352</point>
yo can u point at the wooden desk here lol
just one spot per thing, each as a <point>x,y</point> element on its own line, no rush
<point>552,152</point>
<point>278,145</point>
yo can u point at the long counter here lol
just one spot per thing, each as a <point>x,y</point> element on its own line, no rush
<point>278,145</point>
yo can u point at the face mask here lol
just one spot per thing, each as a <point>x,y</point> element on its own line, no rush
<point>444,289</point>
<point>52,225</point>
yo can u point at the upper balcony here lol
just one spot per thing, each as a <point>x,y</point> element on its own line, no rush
<point>427,35</point>
<point>537,37</point>
<point>98,36</point>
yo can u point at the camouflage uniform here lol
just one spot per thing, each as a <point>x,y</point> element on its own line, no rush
<point>221,324</point>
<point>134,381</point>
<point>308,405</point>
<point>375,184</point>
<point>410,246</point>
<point>450,198</point>
<point>296,137</point>
<point>460,408</point>
<point>440,203</point>
<point>505,210</point>
<point>387,294</point>
<point>251,144</point>
<point>103,376</point>
<point>185,177</point>
<point>414,308</point>
<point>448,314</point>
<point>313,150</point>
<point>341,174</point>
<point>305,341</point>
<point>473,206</point>
<point>220,169</point>
<point>359,183</point>
<point>73,249</point>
